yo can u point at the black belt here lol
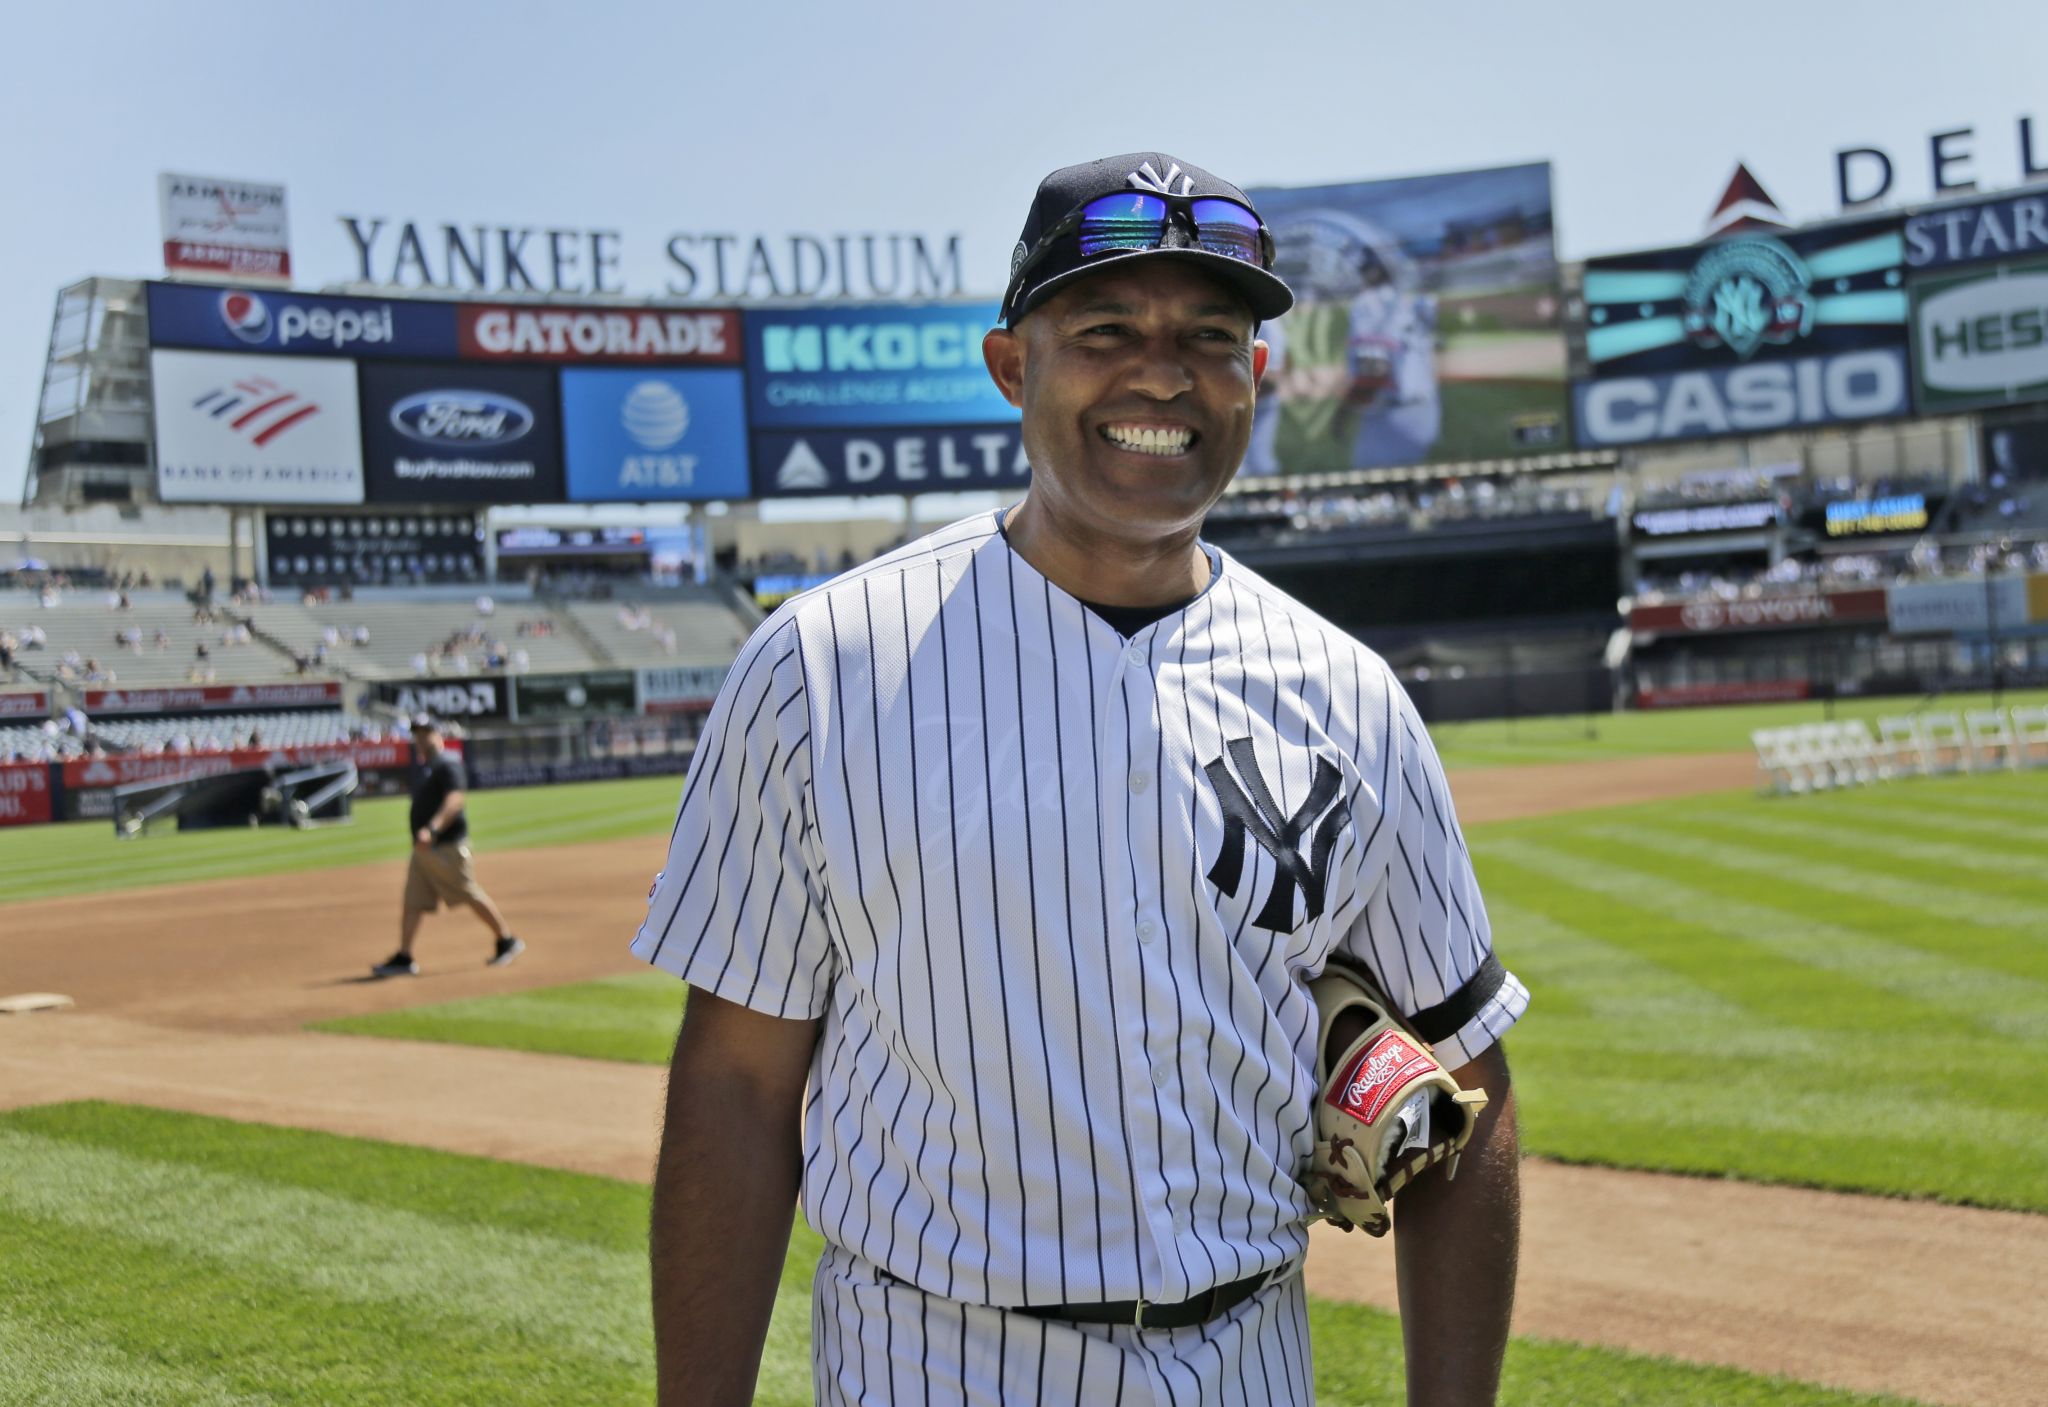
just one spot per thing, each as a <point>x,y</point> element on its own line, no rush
<point>1144,1314</point>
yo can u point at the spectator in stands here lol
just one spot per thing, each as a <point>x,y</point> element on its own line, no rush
<point>330,635</point>
<point>419,663</point>
<point>206,583</point>
<point>485,605</point>
<point>360,636</point>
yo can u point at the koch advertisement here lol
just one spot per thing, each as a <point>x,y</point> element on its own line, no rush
<point>225,229</point>
<point>306,324</point>
<point>633,436</point>
<point>461,434</point>
<point>912,459</point>
<point>1746,335</point>
<point>270,430</point>
<point>877,364</point>
<point>1425,325</point>
<point>1980,337</point>
<point>674,336</point>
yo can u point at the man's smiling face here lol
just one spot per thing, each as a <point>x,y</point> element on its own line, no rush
<point>1138,387</point>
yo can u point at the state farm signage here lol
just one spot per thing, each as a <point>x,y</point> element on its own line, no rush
<point>1760,613</point>
<point>129,768</point>
<point>212,698</point>
<point>36,705</point>
<point>700,336</point>
<point>24,793</point>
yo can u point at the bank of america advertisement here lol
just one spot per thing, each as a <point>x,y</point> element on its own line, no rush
<point>654,436</point>
<point>255,429</point>
<point>1745,335</point>
<point>1981,338</point>
<point>1426,324</point>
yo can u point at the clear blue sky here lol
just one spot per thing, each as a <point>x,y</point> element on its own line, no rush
<point>653,119</point>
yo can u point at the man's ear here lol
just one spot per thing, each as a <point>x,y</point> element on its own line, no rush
<point>1260,354</point>
<point>1003,351</point>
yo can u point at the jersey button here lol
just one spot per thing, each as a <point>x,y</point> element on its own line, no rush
<point>1135,654</point>
<point>1139,781</point>
<point>1161,1073</point>
<point>1146,932</point>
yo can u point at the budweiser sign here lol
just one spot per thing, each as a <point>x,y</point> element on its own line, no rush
<point>680,336</point>
<point>1711,616</point>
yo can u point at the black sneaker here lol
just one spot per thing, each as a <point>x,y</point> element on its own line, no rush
<point>508,949</point>
<point>397,965</point>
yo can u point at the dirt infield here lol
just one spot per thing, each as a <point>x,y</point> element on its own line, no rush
<point>194,998</point>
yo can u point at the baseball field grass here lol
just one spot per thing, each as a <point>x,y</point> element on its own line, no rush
<point>159,1258</point>
<point>1835,991</point>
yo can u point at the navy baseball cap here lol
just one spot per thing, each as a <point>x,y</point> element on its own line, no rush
<point>1050,253</point>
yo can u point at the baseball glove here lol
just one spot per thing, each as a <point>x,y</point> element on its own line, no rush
<point>1385,1108</point>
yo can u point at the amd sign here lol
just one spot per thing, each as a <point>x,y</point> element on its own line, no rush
<point>461,699</point>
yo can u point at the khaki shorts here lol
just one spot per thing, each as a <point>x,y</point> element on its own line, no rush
<point>439,875</point>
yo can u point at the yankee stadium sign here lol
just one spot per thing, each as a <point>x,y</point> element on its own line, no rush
<point>714,267</point>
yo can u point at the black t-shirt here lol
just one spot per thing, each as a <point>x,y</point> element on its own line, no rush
<point>430,787</point>
<point>1129,620</point>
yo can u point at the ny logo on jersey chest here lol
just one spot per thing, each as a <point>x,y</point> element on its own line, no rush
<point>1249,809</point>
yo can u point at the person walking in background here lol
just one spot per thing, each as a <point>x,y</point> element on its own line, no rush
<point>440,872</point>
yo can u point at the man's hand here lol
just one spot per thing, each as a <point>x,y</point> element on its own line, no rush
<point>1455,1248</point>
<point>423,838</point>
<point>724,1191</point>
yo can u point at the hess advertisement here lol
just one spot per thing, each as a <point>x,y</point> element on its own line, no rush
<point>1745,335</point>
<point>1426,324</point>
<point>1980,337</point>
<point>461,434</point>
<point>647,436</point>
<point>277,430</point>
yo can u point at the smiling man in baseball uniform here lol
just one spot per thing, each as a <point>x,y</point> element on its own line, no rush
<point>1018,849</point>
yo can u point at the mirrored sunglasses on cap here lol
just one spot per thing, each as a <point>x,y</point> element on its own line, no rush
<point>1139,220</point>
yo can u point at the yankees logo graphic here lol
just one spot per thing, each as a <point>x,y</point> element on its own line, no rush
<point>1146,179</point>
<point>1279,836</point>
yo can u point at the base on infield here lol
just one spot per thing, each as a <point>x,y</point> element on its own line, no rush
<point>27,1002</point>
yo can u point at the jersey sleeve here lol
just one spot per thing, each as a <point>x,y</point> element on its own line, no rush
<point>1424,932</point>
<point>735,910</point>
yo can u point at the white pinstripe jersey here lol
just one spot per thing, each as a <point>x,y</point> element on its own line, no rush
<point>1056,896</point>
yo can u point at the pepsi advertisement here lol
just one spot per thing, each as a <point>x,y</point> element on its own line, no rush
<point>902,459</point>
<point>870,365</point>
<point>633,436</point>
<point>460,434</point>
<point>307,324</point>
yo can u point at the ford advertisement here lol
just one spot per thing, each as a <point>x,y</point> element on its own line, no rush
<point>461,434</point>
<point>632,436</point>
<point>306,324</point>
<point>872,365</point>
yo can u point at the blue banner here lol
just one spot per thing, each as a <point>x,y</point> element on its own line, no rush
<point>1742,400</point>
<point>923,459</point>
<point>309,324</point>
<point>632,436</point>
<point>2014,226</point>
<point>874,364</point>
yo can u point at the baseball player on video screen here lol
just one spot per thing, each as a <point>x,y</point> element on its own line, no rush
<point>1000,878</point>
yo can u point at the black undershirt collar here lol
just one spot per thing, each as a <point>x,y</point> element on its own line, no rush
<point>1127,620</point>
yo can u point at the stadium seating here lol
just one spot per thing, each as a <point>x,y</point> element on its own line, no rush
<point>403,629</point>
<point>690,630</point>
<point>165,636</point>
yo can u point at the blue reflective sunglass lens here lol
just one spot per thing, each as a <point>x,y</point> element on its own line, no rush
<point>1225,227</point>
<point>1131,220</point>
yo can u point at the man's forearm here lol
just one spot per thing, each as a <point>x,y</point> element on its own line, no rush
<point>723,1198</point>
<point>1455,1245</point>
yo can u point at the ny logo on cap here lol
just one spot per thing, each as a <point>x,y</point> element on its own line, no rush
<point>1277,834</point>
<point>1146,179</point>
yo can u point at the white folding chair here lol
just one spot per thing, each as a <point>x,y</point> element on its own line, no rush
<point>1810,750</point>
<point>1899,741</point>
<point>1991,740</point>
<point>2030,736</point>
<point>1859,750</point>
<point>1947,745</point>
<point>1774,761</point>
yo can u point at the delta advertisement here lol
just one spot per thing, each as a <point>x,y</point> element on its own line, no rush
<point>646,436</point>
<point>1745,335</point>
<point>1426,325</point>
<point>882,398</point>
<point>1980,337</point>
<point>247,429</point>
<point>461,434</point>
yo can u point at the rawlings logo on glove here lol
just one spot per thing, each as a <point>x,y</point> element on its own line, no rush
<point>1363,1157</point>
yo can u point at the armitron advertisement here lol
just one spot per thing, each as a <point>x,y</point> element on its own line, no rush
<point>1426,324</point>
<point>1980,337</point>
<point>225,229</point>
<point>1745,335</point>
<point>240,429</point>
<point>461,434</point>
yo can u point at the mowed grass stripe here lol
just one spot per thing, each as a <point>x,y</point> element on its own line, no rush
<point>2002,933</point>
<point>2015,860</point>
<point>226,1330</point>
<point>1661,881</point>
<point>632,1018</point>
